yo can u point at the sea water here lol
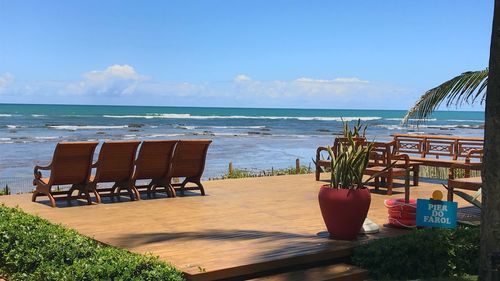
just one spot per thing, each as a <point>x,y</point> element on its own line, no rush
<point>251,138</point>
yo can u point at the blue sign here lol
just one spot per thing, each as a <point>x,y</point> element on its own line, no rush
<point>436,213</point>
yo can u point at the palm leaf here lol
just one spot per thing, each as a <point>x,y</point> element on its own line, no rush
<point>463,89</point>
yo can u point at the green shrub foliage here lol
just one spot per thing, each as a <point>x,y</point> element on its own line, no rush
<point>423,253</point>
<point>33,249</point>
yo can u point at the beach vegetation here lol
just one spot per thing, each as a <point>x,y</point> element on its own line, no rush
<point>5,190</point>
<point>31,248</point>
<point>423,253</point>
<point>247,173</point>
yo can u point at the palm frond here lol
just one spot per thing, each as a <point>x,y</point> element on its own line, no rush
<point>466,88</point>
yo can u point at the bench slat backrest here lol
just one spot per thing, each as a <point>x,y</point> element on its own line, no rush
<point>154,159</point>
<point>440,147</point>
<point>71,163</point>
<point>189,158</point>
<point>454,147</point>
<point>116,161</point>
<point>409,145</point>
<point>466,145</point>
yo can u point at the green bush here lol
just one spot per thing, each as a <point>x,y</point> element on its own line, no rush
<point>33,249</point>
<point>423,253</point>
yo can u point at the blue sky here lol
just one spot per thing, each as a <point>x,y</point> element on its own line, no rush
<point>304,54</point>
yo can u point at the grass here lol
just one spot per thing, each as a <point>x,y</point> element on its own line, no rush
<point>246,173</point>
<point>31,248</point>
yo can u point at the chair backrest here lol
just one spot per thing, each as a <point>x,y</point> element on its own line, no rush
<point>72,162</point>
<point>189,158</point>
<point>116,161</point>
<point>154,159</point>
<point>381,153</point>
<point>343,141</point>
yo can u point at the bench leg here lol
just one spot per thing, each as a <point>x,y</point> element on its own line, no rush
<point>42,189</point>
<point>318,171</point>
<point>416,171</point>
<point>450,194</point>
<point>389,185</point>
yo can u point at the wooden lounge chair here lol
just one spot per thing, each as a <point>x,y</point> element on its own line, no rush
<point>71,164</point>
<point>189,162</point>
<point>467,182</point>
<point>115,164</point>
<point>153,163</point>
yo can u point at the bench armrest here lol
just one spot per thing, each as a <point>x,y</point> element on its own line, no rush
<point>36,171</point>
<point>318,152</point>
<point>471,152</point>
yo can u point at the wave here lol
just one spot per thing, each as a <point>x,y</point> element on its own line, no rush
<point>186,127</point>
<point>463,120</point>
<point>163,135</point>
<point>38,115</point>
<point>12,126</point>
<point>85,127</point>
<point>218,127</point>
<point>411,120</point>
<point>440,127</point>
<point>46,138</point>
<point>189,116</point>
<point>5,115</point>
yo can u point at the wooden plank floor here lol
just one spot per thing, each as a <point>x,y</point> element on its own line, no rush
<point>242,226</point>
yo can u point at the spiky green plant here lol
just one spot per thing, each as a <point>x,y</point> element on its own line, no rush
<point>349,164</point>
<point>358,130</point>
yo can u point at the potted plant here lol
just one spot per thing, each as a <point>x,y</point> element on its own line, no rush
<point>345,201</point>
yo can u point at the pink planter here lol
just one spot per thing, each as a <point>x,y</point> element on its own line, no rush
<point>344,210</point>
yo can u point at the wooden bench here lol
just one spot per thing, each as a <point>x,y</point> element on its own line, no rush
<point>437,151</point>
<point>158,161</point>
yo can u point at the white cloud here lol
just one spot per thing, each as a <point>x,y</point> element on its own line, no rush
<point>5,80</point>
<point>242,77</point>
<point>122,84</point>
<point>114,80</point>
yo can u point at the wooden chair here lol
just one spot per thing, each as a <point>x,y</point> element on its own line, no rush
<point>467,182</point>
<point>153,163</point>
<point>382,164</point>
<point>189,162</point>
<point>115,164</point>
<point>71,164</point>
<point>327,162</point>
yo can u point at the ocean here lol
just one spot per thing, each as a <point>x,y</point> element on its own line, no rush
<point>251,138</point>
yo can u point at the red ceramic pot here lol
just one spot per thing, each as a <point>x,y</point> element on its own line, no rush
<point>344,210</point>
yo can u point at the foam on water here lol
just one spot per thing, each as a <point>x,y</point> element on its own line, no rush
<point>302,118</point>
<point>85,127</point>
<point>411,120</point>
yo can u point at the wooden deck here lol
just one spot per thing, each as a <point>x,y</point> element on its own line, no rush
<point>242,226</point>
